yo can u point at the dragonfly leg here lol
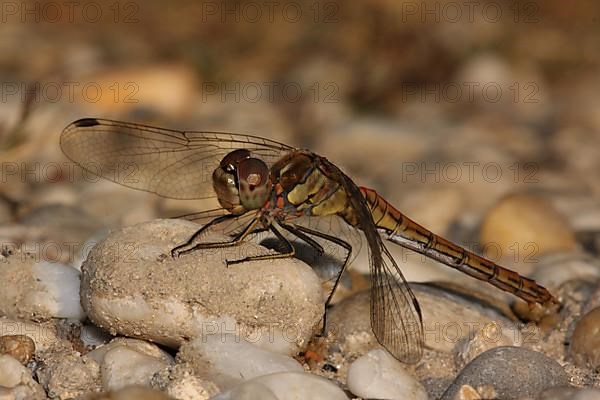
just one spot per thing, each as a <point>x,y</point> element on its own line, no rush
<point>288,253</point>
<point>340,243</point>
<point>299,234</point>
<point>190,245</point>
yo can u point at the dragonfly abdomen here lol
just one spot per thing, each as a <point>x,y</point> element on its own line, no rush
<point>399,229</point>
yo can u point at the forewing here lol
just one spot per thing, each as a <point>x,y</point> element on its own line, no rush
<point>173,164</point>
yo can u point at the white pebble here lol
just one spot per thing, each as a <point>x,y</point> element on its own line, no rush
<point>233,359</point>
<point>285,386</point>
<point>378,375</point>
<point>123,367</point>
<point>126,362</point>
<point>12,372</point>
<point>60,290</point>
<point>16,381</point>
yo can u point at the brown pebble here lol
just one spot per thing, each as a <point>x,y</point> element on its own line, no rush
<point>20,347</point>
<point>585,340</point>
<point>522,227</point>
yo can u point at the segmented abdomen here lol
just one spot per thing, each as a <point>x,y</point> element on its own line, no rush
<point>399,229</point>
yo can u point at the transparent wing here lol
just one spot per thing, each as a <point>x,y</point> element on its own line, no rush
<point>395,314</point>
<point>173,164</point>
<point>329,265</point>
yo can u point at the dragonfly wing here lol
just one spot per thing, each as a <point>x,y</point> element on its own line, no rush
<point>396,317</point>
<point>395,314</point>
<point>170,163</point>
<point>329,264</point>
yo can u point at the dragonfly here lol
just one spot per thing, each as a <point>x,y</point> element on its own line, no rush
<point>262,185</point>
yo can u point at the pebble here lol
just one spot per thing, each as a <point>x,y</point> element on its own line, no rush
<point>126,362</point>
<point>65,374</point>
<point>569,393</point>
<point>488,337</point>
<point>285,386</point>
<point>557,268</point>
<point>448,318</point>
<point>39,290</point>
<point>499,366</point>
<point>436,208</point>
<point>226,359</point>
<point>44,335</point>
<point>16,381</point>
<point>180,382</point>
<point>132,286</point>
<point>529,221</point>
<point>584,346</point>
<point>166,88</point>
<point>379,375</point>
<point>20,347</point>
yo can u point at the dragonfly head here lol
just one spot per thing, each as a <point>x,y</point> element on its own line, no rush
<point>242,182</point>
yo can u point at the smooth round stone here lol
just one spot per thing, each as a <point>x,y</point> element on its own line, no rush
<point>167,88</point>
<point>20,347</point>
<point>44,335</point>
<point>585,340</point>
<point>569,393</point>
<point>39,290</point>
<point>436,208</point>
<point>16,381</point>
<point>285,386</point>
<point>125,362</point>
<point>131,285</point>
<point>556,268</point>
<point>379,375</point>
<point>448,318</point>
<point>512,372</point>
<point>227,360</point>
<point>523,220</point>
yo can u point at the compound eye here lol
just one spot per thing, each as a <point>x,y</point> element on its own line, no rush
<point>253,171</point>
<point>230,162</point>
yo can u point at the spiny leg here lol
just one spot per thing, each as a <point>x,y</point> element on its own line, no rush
<point>190,246</point>
<point>290,253</point>
<point>287,254</point>
<point>307,239</point>
<point>340,243</point>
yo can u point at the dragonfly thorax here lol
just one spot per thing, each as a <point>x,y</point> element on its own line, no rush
<point>241,182</point>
